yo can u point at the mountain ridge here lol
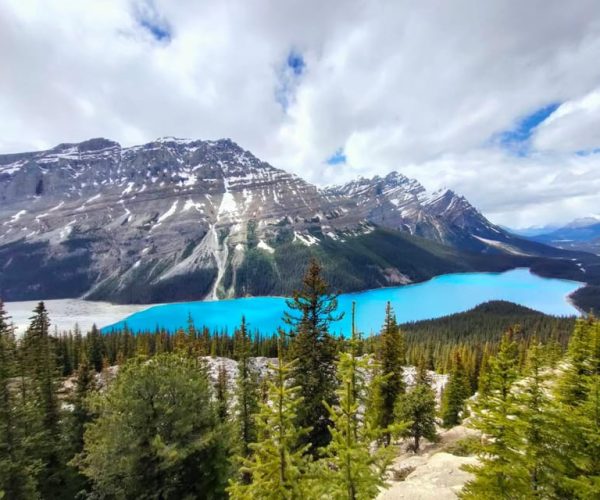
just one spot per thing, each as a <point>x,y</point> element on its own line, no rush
<point>181,219</point>
<point>581,234</point>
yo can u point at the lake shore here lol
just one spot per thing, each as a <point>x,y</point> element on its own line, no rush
<point>66,313</point>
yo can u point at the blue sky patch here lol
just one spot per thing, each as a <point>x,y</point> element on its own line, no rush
<point>337,158</point>
<point>588,152</point>
<point>160,32</point>
<point>296,62</point>
<point>517,139</point>
<point>152,21</point>
<point>288,78</point>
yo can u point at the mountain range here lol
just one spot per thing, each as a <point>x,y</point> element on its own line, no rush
<point>179,219</point>
<point>580,234</point>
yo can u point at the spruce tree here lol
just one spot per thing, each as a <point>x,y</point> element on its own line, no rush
<point>535,426</point>
<point>277,466</point>
<point>572,385</point>
<point>77,347</point>
<point>222,393</point>
<point>312,310</point>
<point>95,354</point>
<point>247,389</point>
<point>18,466</point>
<point>417,407</point>
<point>578,400</point>
<point>349,469</point>
<point>552,351</point>
<point>502,472</point>
<point>64,358</point>
<point>157,434</point>
<point>38,356</point>
<point>584,444</point>
<point>390,357</point>
<point>74,427</point>
<point>181,341</point>
<point>482,382</point>
<point>85,386</point>
<point>455,394</point>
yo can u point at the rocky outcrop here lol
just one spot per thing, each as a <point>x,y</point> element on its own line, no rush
<point>438,477</point>
<point>433,474</point>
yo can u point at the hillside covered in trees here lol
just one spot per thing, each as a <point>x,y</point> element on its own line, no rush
<point>141,416</point>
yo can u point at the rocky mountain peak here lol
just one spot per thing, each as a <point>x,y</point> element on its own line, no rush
<point>583,222</point>
<point>175,210</point>
<point>97,144</point>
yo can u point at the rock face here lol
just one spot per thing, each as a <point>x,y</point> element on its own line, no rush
<point>439,477</point>
<point>400,203</point>
<point>432,474</point>
<point>182,219</point>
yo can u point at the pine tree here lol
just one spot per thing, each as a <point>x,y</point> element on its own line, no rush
<point>314,350</point>
<point>417,407</point>
<point>578,400</point>
<point>157,434</point>
<point>247,390</point>
<point>197,346</point>
<point>77,347</point>
<point>349,470</point>
<point>572,386</point>
<point>40,367</point>
<point>455,393</point>
<point>277,465</point>
<point>552,351</point>
<point>584,445</point>
<point>483,379</point>
<point>18,467</point>
<point>502,473</point>
<point>181,342</point>
<point>535,426</point>
<point>75,423</point>
<point>422,374</point>
<point>222,393</point>
<point>64,356</point>
<point>95,354</point>
<point>85,385</point>
<point>390,357</point>
<point>191,329</point>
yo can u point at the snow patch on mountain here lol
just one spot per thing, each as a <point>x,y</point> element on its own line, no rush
<point>189,204</point>
<point>502,246</point>
<point>306,239</point>
<point>263,246</point>
<point>15,217</point>
<point>168,213</point>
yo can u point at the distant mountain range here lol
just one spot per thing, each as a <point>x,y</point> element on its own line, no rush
<point>179,219</point>
<point>581,234</point>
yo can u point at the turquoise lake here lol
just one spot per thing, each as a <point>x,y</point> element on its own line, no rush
<point>440,296</point>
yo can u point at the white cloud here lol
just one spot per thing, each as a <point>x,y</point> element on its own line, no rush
<point>518,192</point>
<point>573,126</point>
<point>420,87</point>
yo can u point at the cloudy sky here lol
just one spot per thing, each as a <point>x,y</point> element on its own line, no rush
<point>497,99</point>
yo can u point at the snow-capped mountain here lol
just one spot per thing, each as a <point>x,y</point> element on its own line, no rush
<point>182,219</point>
<point>580,234</point>
<point>400,203</point>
